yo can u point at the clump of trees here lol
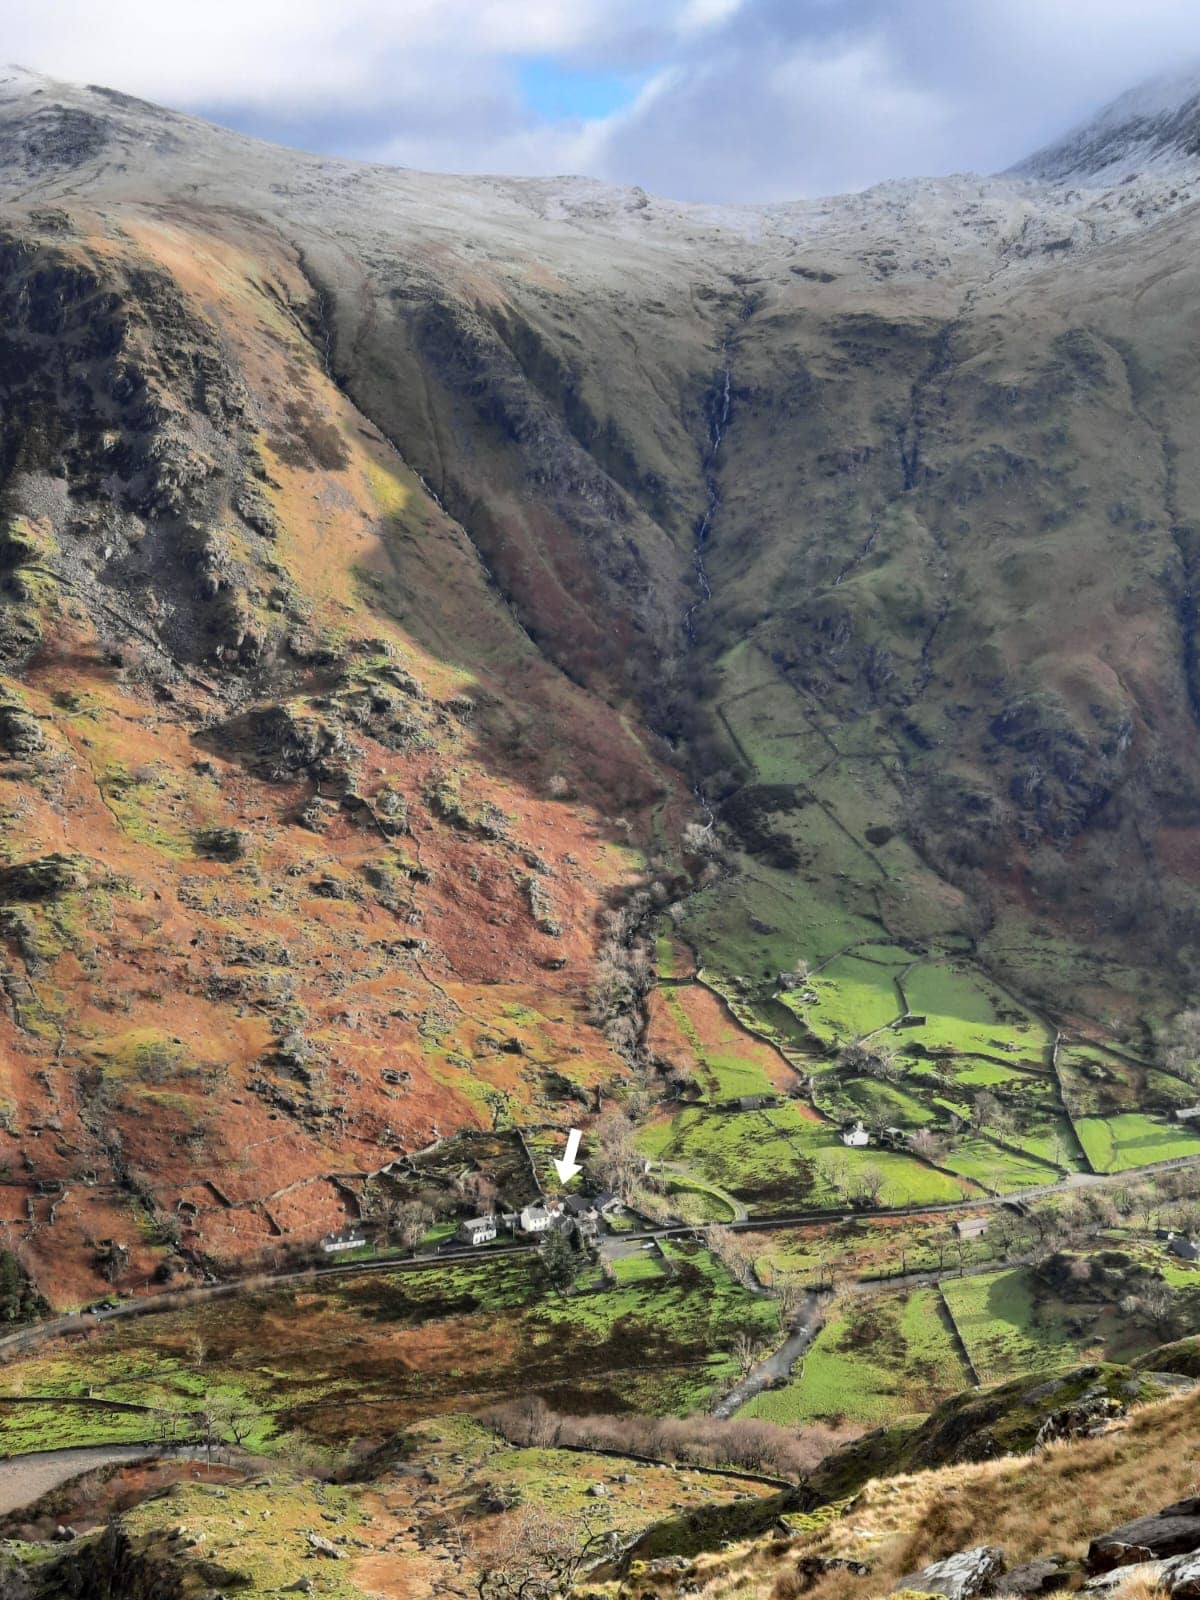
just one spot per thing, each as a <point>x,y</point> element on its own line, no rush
<point>861,1185</point>
<point>624,972</point>
<point>615,1158</point>
<point>746,1445</point>
<point>560,1261</point>
<point>19,1300</point>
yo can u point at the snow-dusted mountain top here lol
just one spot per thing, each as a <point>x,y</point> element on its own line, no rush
<point>75,143</point>
<point>1153,127</point>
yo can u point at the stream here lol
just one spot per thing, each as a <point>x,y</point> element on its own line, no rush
<point>718,422</point>
<point>779,1364</point>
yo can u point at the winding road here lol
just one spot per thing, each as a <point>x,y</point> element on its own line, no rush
<point>39,1333</point>
<point>25,1479</point>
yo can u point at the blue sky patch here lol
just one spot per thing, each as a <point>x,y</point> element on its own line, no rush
<point>556,93</point>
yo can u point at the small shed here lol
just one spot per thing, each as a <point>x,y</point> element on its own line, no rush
<point>855,1135</point>
<point>1186,1113</point>
<point>971,1227</point>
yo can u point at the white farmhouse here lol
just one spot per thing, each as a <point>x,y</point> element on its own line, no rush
<point>537,1218</point>
<point>855,1135</point>
<point>477,1230</point>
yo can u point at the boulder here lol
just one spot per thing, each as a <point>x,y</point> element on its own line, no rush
<point>1033,1578</point>
<point>959,1577</point>
<point>1114,1581</point>
<point>322,1547</point>
<point>1173,1531</point>
<point>1180,1577</point>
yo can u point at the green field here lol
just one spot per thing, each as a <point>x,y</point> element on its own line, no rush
<point>640,1267</point>
<point>1004,1331</point>
<point>1129,1139</point>
<point>850,997</point>
<point>995,1168</point>
<point>874,1361</point>
<point>781,1160</point>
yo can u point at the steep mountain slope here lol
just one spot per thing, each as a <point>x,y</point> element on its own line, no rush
<point>1155,126</point>
<point>385,558</point>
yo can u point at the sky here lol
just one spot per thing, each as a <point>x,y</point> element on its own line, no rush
<point>721,100</point>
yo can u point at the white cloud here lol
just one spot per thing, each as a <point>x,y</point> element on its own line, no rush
<point>697,15</point>
<point>742,99</point>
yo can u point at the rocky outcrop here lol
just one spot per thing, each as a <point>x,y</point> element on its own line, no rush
<point>958,1577</point>
<point>43,879</point>
<point>1179,1578</point>
<point>20,735</point>
<point>1034,1578</point>
<point>1173,1531</point>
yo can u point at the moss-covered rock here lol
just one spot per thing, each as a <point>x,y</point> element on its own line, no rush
<point>20,735</point>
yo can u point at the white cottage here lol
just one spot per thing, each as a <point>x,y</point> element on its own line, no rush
<point>347,1239</point>
<point>478,1230</point>
<point>537,1218</point>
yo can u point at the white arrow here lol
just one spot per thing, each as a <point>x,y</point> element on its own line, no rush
<point>568,1166</point>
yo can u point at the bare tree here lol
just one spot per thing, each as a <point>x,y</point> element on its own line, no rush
<point>789,1295</point>
<point>745,1350</point>
<point>615,1159</point>
<point>406,1222</point>
<point>480,1190</point>
<point>731,1250</point>
<point>231,1419</point>
<point>867,1185</point>
<point>986,1110</point>
<point>1179,1045</point>
<point>926,1144</point>
<point>539,1557</point>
